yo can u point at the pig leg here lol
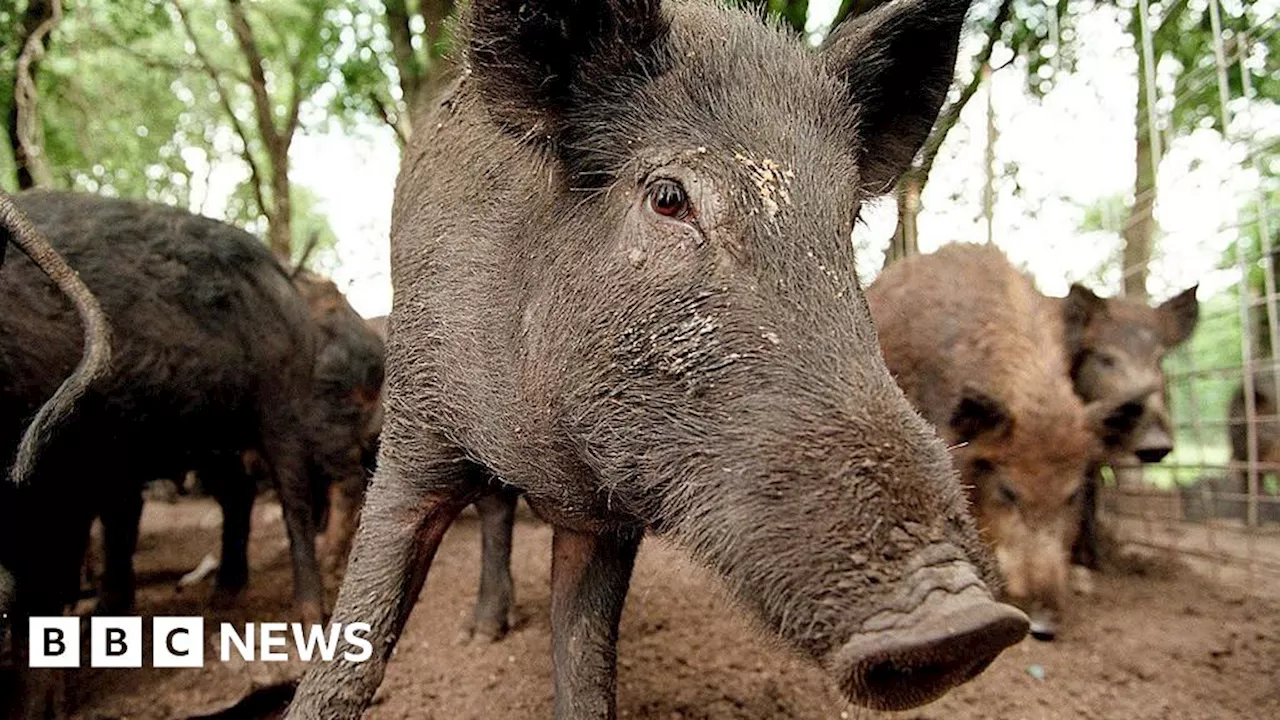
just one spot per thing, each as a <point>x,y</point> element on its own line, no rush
<point>235,492</point>
<point>401,525</point>
<point>344,515</point>
<point>41,692</point>
<point>589,578</point>
<point>493,603</point>
<point>1085,550</point>
<point>284,456</point>
<point>120,519</point>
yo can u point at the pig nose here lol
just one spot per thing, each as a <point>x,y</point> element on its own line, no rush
<point>1154,442</point>
<point>1044,624</point>
<point>1153,446</point>
<point>945,642</point>
<point>1153,454</point>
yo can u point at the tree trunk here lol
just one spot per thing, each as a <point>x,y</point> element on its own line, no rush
<point>1139,228</point>
<point>25,136</point>
<point>906,237</point>
<point>280,217</point>
<point>408,66</point>
<point>989,160</point>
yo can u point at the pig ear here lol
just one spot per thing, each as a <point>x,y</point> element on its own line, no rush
<point>979,414</point>
<point>529,56</point>
<point>1079,308</point>
<point>1178,316</point>
<point>897,62</point>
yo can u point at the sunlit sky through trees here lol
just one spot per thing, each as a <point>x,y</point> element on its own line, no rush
<point>1056,157</point>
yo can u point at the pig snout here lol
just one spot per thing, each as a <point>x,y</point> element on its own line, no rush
<point>1035,573</point>
<point>1044,623</point>
<point>1154,443</point>
<point>906,657</point>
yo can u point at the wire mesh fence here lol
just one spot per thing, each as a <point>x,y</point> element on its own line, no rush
<point>1216,499</point>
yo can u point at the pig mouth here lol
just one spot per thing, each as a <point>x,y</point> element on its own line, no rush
<point>943,642</point>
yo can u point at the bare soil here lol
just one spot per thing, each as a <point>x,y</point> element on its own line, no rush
<point>1155,640</point>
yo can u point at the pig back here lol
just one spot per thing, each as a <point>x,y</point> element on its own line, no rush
<point>965,316</point>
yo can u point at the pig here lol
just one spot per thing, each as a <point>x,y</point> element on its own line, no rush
<point>347,417</point>
<point>972,344</point>
<point>342,423</point>
<point>1227,496</point>
<point>625,289</point>
<point>215,355</point>
<point>94,363</point>
<point>1114,349</point>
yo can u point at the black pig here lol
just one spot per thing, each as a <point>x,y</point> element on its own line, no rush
<point>214,355</point>
<point>15,227</point>
<point>625,285</point>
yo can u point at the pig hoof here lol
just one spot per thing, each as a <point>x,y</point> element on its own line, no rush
<point>112,606</point>
<point>1082,580</point>
<point>1044,625</point>
<point>481,634</point>
<point>1044,633</point>
<point>486,633</point>
<point>311,613</point>
<point>224,598</point>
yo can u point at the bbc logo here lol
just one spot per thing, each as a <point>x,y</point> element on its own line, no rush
<point>116,642</point>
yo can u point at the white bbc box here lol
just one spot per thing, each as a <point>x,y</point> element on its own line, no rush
<point>177,642</point>
<point>115,642</point>
<point>54,642</point>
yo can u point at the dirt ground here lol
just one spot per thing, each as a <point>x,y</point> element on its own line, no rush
<point>1154,641</point>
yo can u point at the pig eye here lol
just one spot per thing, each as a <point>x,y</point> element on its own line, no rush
<point>668,198</point>
<point>1008,495</point>
<point>1075,496</point>
<point>1106,360</point>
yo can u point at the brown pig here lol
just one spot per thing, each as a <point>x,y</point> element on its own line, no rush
<point>978,351</point>
<point>1114,349</point>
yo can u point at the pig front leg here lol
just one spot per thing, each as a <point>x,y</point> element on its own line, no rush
<point>401,525</point>
<point>120,519</point>
<point>284,456</point>
<point>1085,550</point>
<point>589,578</point>
<point>234,489</point>
<point>490,621</point>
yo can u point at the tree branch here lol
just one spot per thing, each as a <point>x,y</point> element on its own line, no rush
<point>950,114</point>
<point>434,13</point>
<point>26,99</point>
<point>258,79</point>
<point>256,175</point>
<point>393,121</point>
<point>306,56</point>
<point>406,59</point>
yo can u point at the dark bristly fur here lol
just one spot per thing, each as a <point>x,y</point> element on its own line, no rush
<point>214,355</point>
<point>96,335</point>
<point>341,425</point>
<point>715,379</point>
